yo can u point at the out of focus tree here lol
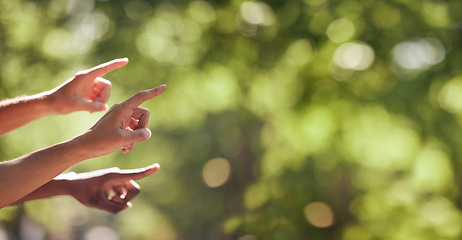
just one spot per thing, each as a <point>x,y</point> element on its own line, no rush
<point>313,119</point>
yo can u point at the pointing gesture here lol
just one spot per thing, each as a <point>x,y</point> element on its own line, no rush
<point>122,126</point>
<point>87,90</point>
<point>138,121</point>
<point>108,189</point>
<point>28,177</point>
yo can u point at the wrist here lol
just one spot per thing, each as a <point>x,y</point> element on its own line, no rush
<point>83,147</point>
<point>51,102</point>
<point>62,186</point>
<point>69,152</point>
<point>42,103</point>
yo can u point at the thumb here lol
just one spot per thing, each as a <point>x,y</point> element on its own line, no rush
<point>93,106</point>
<point>138,135</point>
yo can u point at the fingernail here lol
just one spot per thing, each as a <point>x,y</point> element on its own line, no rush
<point>148,133</point>
<point>155,165</point>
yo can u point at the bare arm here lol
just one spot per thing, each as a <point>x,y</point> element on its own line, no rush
<point>55,187</point>
<point>24,109</point>
<point>121,127</point>
<point>85,91</point>
<point>108,189</point>
<point>25,174</point>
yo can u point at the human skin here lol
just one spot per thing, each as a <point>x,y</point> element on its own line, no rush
<point>108,189</point>
<point>85,91</point>
<point>121,127</point>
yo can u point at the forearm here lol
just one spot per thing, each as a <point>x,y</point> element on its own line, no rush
<point>18,112</point>
<point>21,176</point>
<point>55,187</point>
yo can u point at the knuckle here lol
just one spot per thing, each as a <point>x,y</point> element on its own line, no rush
<point>146,111</point>
<point>112,109</point>
<point>81,73</point>
<point>117,106</point>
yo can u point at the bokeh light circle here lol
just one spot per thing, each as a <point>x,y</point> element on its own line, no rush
<point>216,172</point>
<point>355,56</point>
<point>319,214</point>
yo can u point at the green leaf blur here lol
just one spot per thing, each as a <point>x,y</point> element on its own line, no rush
<point>297,119</point>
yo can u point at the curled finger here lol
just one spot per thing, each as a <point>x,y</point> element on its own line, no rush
<point>120,195</point>
<point>101,90</point>
<point>128,148</point>
<point>132,125</point>
<point>133,190</point>
<point>132,137</point>
<point>141,115</point>
<point>114,207</point>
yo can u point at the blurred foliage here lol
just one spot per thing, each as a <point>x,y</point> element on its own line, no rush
<point>313,119</point>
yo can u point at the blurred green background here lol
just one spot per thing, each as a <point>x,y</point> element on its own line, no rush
<point>297,119</point>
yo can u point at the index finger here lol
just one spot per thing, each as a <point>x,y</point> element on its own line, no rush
<point>142,96</point>
<point>104,68</point>
<point>139,173</point>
